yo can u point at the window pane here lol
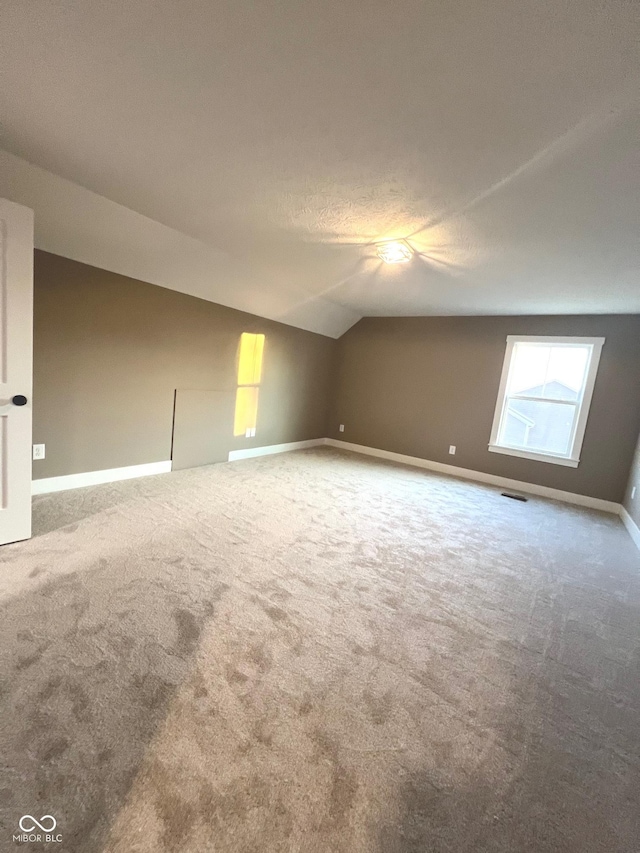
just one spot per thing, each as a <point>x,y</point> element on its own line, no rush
<point>246,415</point>
<point>528,369</point>
<point>566,372</point>
<point>538,426</point>
<point>553,371</point>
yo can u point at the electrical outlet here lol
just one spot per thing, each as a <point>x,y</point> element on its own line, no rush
<point>452,449</point>
<point>633,493</point>
<point>38,451</point>
<point>341,427</point>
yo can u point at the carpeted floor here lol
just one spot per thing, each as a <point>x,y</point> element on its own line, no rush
<point>320,653</point>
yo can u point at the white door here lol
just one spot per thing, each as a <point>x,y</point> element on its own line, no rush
<point>16,370</point>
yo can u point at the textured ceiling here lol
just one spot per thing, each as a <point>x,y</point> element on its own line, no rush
<point>500,138</point>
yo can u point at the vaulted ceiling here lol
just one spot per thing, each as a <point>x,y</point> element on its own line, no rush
<point>282,138</point>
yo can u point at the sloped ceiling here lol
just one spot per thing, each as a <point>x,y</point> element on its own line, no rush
<point>276,141</point>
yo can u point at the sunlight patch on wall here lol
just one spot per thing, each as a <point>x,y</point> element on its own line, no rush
<point>250,359</point>
<point>250,355</point>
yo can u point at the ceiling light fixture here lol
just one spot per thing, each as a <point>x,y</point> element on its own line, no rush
<point>394,251</point>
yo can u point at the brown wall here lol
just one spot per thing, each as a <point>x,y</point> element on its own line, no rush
<point>632,505</point>
<point>415,385</point>
<point>110,352</point>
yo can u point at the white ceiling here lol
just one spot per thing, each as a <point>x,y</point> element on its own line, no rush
<point>277,140</point>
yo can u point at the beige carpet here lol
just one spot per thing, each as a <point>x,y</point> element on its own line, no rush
<point>320,653</point>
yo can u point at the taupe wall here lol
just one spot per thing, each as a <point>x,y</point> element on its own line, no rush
<point>110,351</point>
<point>632,504</point>
<point>415,385</point>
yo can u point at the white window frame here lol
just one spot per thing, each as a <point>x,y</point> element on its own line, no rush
<point>572,458</point>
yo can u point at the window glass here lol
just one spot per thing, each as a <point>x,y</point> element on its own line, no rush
<point>547,386</point>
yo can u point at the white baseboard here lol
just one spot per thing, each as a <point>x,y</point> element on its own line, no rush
<point>632,527</point>
<point>95,478</point>
<point>481,477</point>
<point>268,449</point>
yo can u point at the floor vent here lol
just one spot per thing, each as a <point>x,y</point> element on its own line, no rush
<point>515,497</point>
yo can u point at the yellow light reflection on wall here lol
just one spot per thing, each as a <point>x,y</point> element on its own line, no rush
<point>246,410</point>
<point>250,359</point>
<point>249,378</point>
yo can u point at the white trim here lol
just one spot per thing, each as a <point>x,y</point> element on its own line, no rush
<point>481,477</point>
<point>96,478</point>
<point>554,339</point>
<point>267,450</point>
<point>537,457</point>
<point>584,404</point>
<point>632,527</point>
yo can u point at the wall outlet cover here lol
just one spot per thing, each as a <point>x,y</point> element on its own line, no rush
<point>341,427</point>
<point>452,449</point>
<point>38,451</point>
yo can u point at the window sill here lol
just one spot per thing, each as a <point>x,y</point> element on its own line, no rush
<point>536,457</point>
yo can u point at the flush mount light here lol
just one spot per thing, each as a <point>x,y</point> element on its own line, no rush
<point>394,251</point>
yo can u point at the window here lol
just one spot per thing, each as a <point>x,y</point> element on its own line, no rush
<point>544,398</point>
<point>249,377</point>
